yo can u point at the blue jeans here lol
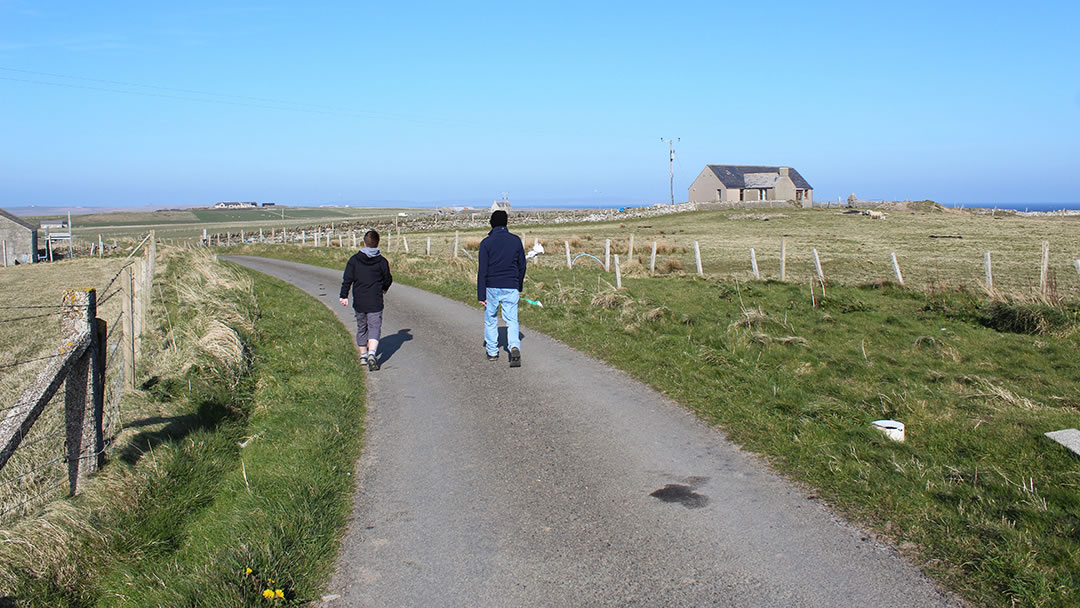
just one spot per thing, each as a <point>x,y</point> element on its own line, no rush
<point>508,298</point>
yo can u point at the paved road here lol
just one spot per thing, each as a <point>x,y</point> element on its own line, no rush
<point>566,483</point>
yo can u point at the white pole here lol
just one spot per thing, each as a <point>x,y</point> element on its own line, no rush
<point>630,249</point>
<point>405,240</point>
<point>652,260</point>
<point>753,264</point>
<point>1045,270</point>
<point>569,264</point>
<point>817,265</point>
<point>100,246</point>
<point>1076,264</point>
<point>303,237</point>
<point>260,235</point>
<point>455,243</point>
<point>896,268</point>
<point>783,259</point>
<point>607,255</point>
<point>341,240</point>
<point>989,274</point>
<point>697,258</point>
<point>429,245</point>
<point>618,273</point>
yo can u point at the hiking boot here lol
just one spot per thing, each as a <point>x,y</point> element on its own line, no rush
<point>372,364</point>
<point>494,357</point>
<point>515,357</point>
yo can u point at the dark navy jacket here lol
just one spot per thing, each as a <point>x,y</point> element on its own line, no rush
<point>502,262</point>
<point>368,278</point>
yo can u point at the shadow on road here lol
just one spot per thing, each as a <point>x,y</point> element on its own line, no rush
<point>390,344</point>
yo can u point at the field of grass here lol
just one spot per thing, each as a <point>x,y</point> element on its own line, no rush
<point>976,495</point>
<point>184,224</point>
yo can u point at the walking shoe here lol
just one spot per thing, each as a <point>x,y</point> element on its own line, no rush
<point>372,364</point>
<point>515,357</point>
<point>494,357</point>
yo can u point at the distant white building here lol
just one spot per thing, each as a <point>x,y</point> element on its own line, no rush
<point>503,205</point>
<point>236,205</point>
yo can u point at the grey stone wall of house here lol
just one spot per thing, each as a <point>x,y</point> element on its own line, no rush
<point>21,242</point>
<point>704,188</point>
<point>742,205</point>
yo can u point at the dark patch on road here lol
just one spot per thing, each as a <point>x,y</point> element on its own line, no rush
<point>685,495</point>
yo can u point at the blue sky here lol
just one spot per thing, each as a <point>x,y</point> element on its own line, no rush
<point>146,103</point>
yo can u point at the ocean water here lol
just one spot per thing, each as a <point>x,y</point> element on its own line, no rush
<point>1018,206</point>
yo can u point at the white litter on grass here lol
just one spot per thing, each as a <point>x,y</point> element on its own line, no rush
<point>535,251</point>
<point>893,429</point>
<point>1069,438</point>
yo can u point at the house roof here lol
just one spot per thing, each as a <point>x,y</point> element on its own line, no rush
<point>17,220</point>
<point>749,176</point>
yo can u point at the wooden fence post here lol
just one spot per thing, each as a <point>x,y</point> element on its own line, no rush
<point>896,269</point>
<point>569,264</point>
<point>753,264</point>
<point>1044,271</point>
<point>697,259</point>
<point>817,265</point>
<point>618,273</point>
<point>989,274</point>
<point>652,259</point>
<point>607,255</point>
<point>783,259</point>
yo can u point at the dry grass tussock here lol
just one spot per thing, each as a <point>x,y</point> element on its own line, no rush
<point>998,394</point>
<point>215,303</point>
<point>611,300</point>
<point>932,344</point>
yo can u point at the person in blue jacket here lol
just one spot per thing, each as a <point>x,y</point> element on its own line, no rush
<point>499,281</point>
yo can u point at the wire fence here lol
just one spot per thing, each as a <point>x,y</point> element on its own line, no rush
<point>43,466</point>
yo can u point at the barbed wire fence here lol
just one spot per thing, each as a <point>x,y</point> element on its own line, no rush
<point>65,423</point>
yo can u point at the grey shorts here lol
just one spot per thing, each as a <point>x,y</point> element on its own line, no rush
<point>368,327</point>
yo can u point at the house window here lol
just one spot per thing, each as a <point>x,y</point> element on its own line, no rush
<point>742,194</point>
<point>798,195</point>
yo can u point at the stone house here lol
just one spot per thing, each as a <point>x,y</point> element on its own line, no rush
<point>743,183</point>
<point>503,205</point>
<point>18,240</point>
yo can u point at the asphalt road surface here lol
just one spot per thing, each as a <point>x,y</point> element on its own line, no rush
<point>566,483</point>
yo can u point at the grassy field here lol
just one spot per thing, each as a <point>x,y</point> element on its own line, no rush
<point>186,224</point>
<point>975,495</point>
<point>234,475</point>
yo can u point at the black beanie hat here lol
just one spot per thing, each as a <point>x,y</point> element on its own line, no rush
<point>498,218</point>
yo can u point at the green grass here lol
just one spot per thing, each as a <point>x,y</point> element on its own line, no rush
<point>180,514</point>
<point>975,495</point>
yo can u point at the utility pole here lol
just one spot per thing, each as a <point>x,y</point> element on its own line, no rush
<point>671,165</point>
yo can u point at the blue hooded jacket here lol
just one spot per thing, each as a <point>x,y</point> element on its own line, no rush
<point>502,262</point>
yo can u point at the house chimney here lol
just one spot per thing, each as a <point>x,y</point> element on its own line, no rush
<point>784,171</point>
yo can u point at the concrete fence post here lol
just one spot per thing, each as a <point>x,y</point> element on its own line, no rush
<point>428,246</point>
<point>989,273</point>
<point>127,304</point>
<point>753,264</point>
<point>618,273</point>
<point>652,259</point>
<point>455,243</point>
<point>607,255</point>
<point>630,250</point>
<point>5,254</point>
<point>783,259</point>
<point>569,264</point>
<point>896,269</point>
<point>100,246</point>
<point>1044,270</point>
<point>697,259</point>
<point>405,242</point>
<point>817,266</point>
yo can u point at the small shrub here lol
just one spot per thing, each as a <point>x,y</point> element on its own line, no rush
<point>1026,318</point>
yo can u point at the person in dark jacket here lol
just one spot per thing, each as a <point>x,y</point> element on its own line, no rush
<point>368,275</point>
<point>499,281</point>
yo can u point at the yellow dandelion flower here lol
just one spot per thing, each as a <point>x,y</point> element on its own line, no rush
<point>247,571</point>
<point>268,594</point>
<point>280,593</point>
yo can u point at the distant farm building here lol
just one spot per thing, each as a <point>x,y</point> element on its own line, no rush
<point>742,183</point>
<point>503,205</point>
<point>268,204</point>
<point>18,240</point>
<point>236,205</point>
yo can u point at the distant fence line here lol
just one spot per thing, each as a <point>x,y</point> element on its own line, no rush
<point>95,363</point>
